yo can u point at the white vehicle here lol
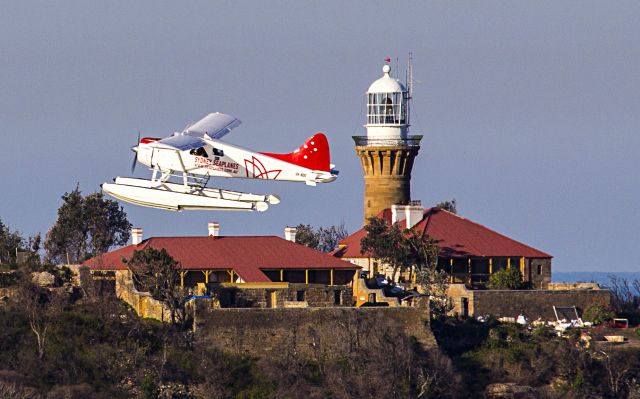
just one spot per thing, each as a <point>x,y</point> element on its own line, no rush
<point>196,154</point>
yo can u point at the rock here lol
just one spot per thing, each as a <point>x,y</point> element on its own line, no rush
<point>43,279</point>
<point>509,390</point>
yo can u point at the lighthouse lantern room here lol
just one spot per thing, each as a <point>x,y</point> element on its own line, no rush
<point>387,108</point>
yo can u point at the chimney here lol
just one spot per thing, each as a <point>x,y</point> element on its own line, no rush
<point>412,213</point>
<point>214,229</point>
<point>136,236</point>
<point>290,234</point>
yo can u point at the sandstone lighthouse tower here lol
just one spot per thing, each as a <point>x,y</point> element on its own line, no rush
<point>387,151</point>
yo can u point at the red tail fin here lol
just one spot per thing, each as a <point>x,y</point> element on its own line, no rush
<point>313,154</point>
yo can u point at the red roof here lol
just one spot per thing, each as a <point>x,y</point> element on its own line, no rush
<point>456,237</point>
<point>245,255</point>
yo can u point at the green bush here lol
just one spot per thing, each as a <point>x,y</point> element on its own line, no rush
<point>149,387</point>
<point>597,314</point>
<point>506,279</point>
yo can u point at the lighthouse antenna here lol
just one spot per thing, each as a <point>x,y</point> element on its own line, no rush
<point>409,78</point>
<point>409,82</point>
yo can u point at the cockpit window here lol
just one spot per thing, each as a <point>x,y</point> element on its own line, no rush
<point>199,152</point>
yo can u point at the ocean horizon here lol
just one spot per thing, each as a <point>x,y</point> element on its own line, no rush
<point>601,278</point>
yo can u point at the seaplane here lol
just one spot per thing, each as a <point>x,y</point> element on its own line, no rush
<point>182,164</point>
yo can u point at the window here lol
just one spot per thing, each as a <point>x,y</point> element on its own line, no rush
<point>200,152</point>
<point>300,295</point>
<point>217,152</point>
<point>387,108</point>
<point>539,269</point>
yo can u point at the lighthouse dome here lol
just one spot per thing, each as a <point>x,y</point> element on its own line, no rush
<point>386,84</point>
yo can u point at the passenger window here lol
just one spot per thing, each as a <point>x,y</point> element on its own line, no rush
<point>201,152</point>
<point>218,153</point>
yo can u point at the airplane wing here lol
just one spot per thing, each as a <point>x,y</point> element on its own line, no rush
<point>214,125</point>
<point>181,142</point>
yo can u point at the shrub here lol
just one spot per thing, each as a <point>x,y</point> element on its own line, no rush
<point>149,387</point>
<point>506,279</point>
<point>597,314</point>
<point>8,279</point>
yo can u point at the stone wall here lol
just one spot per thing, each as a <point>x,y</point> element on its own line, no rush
<point>534,303</point>
<point>327,332</point>
<point>540,272</point>
<point>366,295</point>
<point>277,297</point>
<point>573,286</point>
<point>387,176</point>
<point>141,302</point>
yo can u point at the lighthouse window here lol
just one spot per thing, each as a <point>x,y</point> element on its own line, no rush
<point>386,108</point>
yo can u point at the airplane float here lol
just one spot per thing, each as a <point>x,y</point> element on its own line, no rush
<point>196,154</point>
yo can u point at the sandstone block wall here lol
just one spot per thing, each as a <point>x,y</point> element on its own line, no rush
<point>540,272</point>
<point>141,302</point>
<point>387,176</point>
<point>327,332</point>
<point>534,303</point>
<point>312,295</point>
<point>574,286</point>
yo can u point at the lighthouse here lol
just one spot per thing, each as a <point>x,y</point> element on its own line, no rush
<point>388,151</point>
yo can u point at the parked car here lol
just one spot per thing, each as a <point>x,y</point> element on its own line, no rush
<point>619,323</point>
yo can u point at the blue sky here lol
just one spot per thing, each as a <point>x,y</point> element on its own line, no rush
<point>530,111</point>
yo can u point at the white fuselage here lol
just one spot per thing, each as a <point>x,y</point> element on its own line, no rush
<point>220,159</point>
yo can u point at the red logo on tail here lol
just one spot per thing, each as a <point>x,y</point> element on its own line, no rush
<point>256,170</point>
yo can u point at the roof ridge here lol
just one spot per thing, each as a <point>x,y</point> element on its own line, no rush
<point>249,236</point>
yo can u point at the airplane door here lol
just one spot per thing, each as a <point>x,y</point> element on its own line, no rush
<point>155,157</point>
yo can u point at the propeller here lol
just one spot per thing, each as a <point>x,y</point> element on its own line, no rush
<point>135,156</point>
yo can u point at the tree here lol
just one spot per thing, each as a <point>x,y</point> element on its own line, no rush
<point>597,314</point>
<point>156,272</point>
<point>306,236</point>
<point>331,236</point>
<point>625,295</point>
<point>423,256</point>
<point>106,224</point>
<point>387,244</point>
<point>86,226</point>
<point>402,250</point>
<point>435,283</point>
<point>10,243</point>
<point>422,251</point>
<point>324,239</point>
<point>41,308</point>
<point>506,279</point>
<point>448,206</point>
